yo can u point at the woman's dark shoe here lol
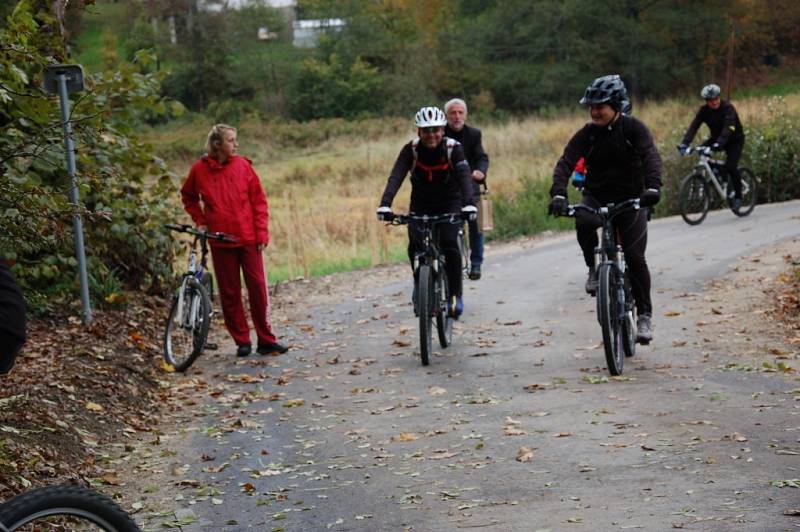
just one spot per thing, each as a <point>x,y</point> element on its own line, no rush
<point>244,350</point>
<point>475,272</point>
<point>271,349</point>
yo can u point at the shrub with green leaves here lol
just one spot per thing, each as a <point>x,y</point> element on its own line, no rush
<point>123,188</point>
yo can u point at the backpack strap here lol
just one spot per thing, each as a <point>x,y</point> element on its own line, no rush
<point>451,143</point>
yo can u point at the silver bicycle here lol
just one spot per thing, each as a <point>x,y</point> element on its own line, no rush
<point>696,195</point>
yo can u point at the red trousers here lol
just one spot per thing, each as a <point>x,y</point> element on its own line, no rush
<point>227,264</point>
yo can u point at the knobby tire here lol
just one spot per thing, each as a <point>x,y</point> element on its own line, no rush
<point>609,319</point>
<point>694,199</point>
<point>182,356</point>
<point>629,320</point>
<point>35,510</point>
<point>425,303</point>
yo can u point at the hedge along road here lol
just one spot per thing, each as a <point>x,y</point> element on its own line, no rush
<point>516,426</point>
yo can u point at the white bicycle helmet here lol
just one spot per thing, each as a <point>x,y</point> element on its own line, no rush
<point>430,117</point>
<point>710,91</point>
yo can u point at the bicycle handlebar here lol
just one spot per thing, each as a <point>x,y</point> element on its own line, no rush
<point>610,210</point>
<point>403,219</point>
<point>703,150</point>
<point>185,228</point>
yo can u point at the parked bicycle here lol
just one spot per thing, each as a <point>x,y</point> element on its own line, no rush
<point>616,310</point>
<point>695,196</point>
<point>190,315</point>
<point>63,508</point>
<point>432,298</point>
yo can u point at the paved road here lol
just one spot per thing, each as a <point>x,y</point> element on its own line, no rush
<point>362,437</point>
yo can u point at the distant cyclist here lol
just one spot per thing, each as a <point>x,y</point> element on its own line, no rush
<point>470,138</point>
<point>621,163</point>
<point>440,184</point>
<point>12,318</point>
<point>726,133</point>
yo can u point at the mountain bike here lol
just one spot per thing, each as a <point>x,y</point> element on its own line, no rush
<point>695,196</point>
<point>186,330</point>
<point>63,508</point>
<point>432,299</point>
<point>616,310</point>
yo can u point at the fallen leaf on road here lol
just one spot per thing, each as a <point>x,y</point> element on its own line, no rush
<point>94,407</point>
<point>401,343</point>
<point>513,431</point>
<point>736,436</point>
<point>405,436</point>
<point>436,390</point>
<point>672,313</point>
<point>562,434</point>
<point>524,454</point>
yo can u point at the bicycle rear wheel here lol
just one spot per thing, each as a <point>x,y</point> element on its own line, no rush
<point>610,323</point>
<point>444,321</point>
<point>64,508</point>
<point>693,199</point>
<point>425,302</point>
<point>749,192</point>
<point>187,326</point>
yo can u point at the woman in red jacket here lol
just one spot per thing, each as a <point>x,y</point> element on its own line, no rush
<point>223,193</point>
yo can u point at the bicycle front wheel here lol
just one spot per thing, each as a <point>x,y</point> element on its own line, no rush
<point>749,192</point>
<point>425,302</point>
<point>64,508</point>
<point>693,199</point>
<point>187,326</point>
<point>628,319</point>
<point>444,321</point>
<point>610,323</point>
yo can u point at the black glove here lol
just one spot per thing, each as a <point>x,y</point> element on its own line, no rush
<point>558,206</point>
<point>683,148</point>
<point>649,197</point>
<point>716,147</point>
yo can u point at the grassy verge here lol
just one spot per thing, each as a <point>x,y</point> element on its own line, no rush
<point>324,179</point>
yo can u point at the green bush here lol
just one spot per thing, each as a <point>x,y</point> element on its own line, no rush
<point>124,189</point>
<point>525,213</point>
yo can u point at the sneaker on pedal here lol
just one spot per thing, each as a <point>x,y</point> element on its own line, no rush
<point>475,272</point>
<point>591,282</point>
<point>456,307</point>
<point>644,329</point>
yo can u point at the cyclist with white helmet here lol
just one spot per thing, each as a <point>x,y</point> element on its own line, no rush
<point>440,184</point>
<point>621,163</point>
<point>726,133</point>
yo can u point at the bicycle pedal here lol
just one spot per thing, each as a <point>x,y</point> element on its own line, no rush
<point>210,346</point>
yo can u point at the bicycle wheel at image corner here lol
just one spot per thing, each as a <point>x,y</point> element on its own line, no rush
<point>693,199</point>
<point>425,303</point>
<point>749,192</point>
<point>64,508</point>
<point>187,326</point>
<point>444,321</point>
<point>609,319</point>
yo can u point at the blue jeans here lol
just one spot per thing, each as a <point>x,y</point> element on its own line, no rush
<point>475,244</point>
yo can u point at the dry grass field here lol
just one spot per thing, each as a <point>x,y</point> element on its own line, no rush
<point>323,196</point>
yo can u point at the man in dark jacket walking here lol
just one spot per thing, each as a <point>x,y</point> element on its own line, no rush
<point>726,133</point>
<point>470,139</point>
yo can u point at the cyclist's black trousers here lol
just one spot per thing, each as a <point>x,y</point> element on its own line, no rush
<point>632,227</point>
<point>733,150</point>
<point>448,245</point>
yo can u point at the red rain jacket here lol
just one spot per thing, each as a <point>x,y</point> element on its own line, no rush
<point>227,198</point>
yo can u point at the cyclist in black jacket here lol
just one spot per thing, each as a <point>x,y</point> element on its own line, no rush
<point>726,133</point>
<point>12,318</point>
<point>440,184</point>
<point>470,138</point>
<point>621,163</point>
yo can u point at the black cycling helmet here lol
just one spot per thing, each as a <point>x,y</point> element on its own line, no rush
<point>608,89</point>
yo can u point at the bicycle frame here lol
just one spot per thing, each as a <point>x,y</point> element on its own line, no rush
<point>705,166</point>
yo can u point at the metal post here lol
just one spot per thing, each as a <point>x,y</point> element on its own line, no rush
<point>77,222</point>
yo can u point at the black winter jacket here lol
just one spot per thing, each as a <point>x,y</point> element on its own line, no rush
<point>436,192</point>
<point>723,123</point>
<point>471,139</point>
<point>621,161</point>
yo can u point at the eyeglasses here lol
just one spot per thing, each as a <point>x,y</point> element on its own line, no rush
<point>431,130</point>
